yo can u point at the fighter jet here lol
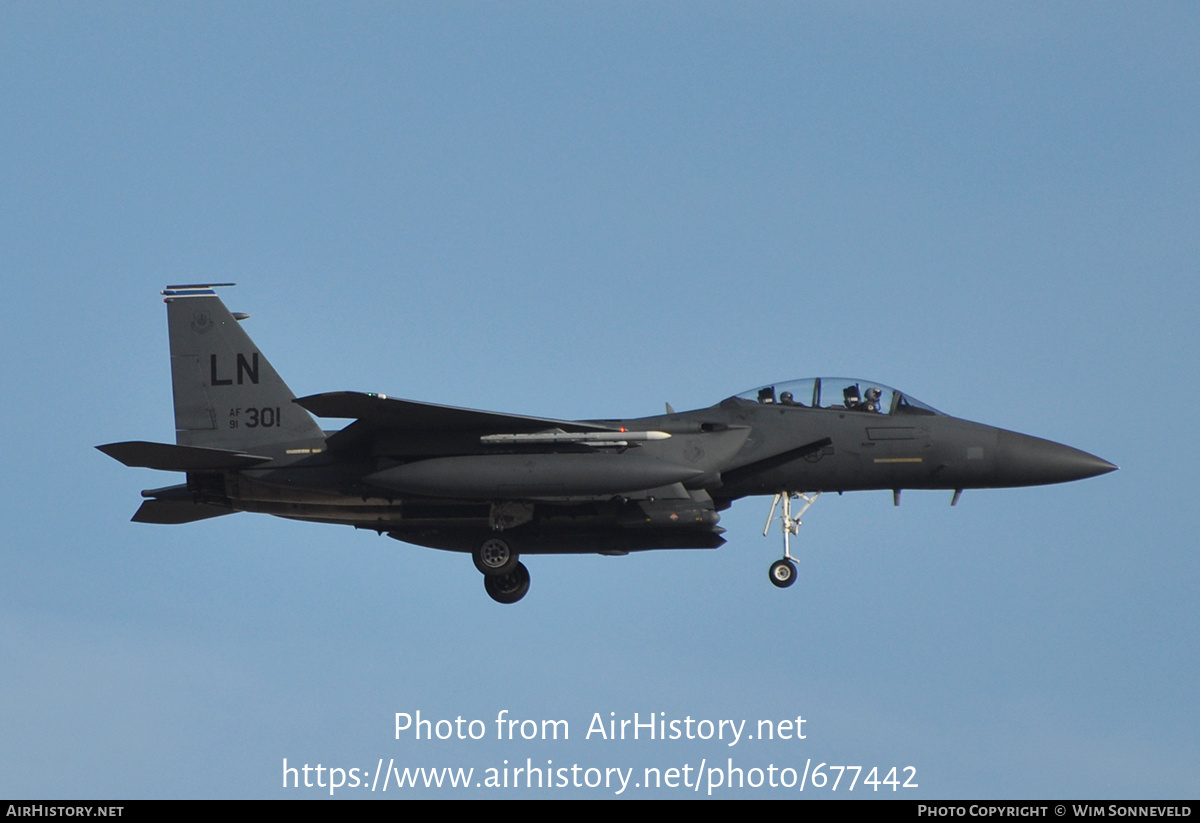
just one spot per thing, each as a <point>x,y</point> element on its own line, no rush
<point>498,486</point>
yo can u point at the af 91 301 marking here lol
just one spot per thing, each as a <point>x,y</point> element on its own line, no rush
<point>266,417</point>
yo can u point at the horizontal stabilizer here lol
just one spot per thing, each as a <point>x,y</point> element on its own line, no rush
<point>174,512</point>
<point>389,414</point>
<point>168,457</point>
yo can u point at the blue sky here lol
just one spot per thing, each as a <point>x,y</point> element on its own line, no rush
<point>587,210</point>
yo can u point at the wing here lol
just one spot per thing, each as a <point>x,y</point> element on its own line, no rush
<point>409,415</point>
<point>377,414</point>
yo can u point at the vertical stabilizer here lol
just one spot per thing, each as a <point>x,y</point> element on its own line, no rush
<point>227,395</point>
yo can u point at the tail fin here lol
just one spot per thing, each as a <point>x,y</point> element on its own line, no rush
<point>226,393</point>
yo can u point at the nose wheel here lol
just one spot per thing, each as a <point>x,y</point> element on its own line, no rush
<point>783,572</point>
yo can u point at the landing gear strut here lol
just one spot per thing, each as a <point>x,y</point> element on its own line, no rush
<point>509,587</point>
<point>783,572</point>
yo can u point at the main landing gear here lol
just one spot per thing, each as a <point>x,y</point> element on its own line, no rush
<point>783,572</point>
<point>505,577</point>
<point>509,587</point>
<point>495,556</point>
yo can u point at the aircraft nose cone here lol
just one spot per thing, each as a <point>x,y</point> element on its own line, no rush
<point>1031,461</point>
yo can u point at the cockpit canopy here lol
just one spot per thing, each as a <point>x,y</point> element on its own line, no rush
<point>850,394</point>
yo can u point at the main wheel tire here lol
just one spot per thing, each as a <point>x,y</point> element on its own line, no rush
<point>508,588</point>
<point>783,573</point>
<point>495,557</point>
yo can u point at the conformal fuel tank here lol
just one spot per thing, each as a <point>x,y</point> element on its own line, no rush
<point>532,475</point>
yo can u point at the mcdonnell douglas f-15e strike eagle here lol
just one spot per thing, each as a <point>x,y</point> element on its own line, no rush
<point>498,486</point>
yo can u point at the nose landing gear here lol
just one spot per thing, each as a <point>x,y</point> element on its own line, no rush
<point>783,572</point>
